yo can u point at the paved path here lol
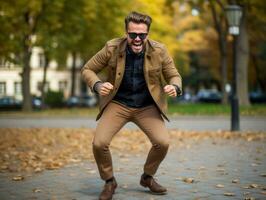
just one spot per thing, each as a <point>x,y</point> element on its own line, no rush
<point>209,163</point>
<point>197,123</point>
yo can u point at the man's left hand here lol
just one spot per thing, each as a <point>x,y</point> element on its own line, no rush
<point>170,90</point>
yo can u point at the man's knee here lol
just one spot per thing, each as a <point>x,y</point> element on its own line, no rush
<point>100,145</point>
<point>162,145</point>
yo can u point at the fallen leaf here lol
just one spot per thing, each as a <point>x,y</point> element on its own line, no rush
<point>235,181</point>
<point>36,190</point>
<point>92,171</point>
<point>220,170</point>
<point>230,194</point>
<point>253,185</point>
<point>18,178</point>
<point>188,180</point>
<point>220,186</point>
<point>249,198</point>
<point>38,169</point>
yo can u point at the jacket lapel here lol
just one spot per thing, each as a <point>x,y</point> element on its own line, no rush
<point>148,60</point>
<point>121,61</point>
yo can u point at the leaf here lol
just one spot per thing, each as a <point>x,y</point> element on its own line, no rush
<point>188,180</point>
<point>18,178</point>
<point>220,186</point>
<point>253,185</point>
<point>235,181</point>
<point>38,169</point>
<point>92,171</point>
<point>230,194</point>
<point>249,198</point>
<point>36,190</point>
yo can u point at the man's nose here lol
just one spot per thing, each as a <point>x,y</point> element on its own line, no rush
<point>137,38</point>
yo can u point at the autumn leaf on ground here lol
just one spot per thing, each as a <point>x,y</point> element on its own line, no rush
<point>188,180</point>
<point>220,186</point>
<point>249,198</point>
<point>253,185</point>
<point>36,190</point>
<point>18,178</point>
<point>235,181</point>
<point>230,194</point>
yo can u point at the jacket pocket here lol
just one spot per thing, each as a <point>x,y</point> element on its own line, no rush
<point>154,75</point>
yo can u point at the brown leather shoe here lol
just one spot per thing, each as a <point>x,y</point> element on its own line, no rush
<point>108,190</point>
<point>152,185</point>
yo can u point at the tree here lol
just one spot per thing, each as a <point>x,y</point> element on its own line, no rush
<point>23,17</point>
<point>47,35</point>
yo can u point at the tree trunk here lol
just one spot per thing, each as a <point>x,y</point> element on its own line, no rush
<point>73,74</point>
<point>218,25</point>
<point>223,64</point>
<point>43,92</point>
<point>261,84</point>
<point>26,105</point>
<point>242,63</point>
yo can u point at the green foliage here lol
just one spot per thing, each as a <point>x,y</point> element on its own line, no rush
<point>54,99</point>
<point>63,27</point>
<point>215,109</point>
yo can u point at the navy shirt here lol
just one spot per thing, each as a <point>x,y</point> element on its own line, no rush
<point>133,91</point>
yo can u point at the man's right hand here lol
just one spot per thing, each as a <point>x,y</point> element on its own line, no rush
<point>104,89</point>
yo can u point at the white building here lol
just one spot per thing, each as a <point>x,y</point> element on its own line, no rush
<point>10,77</point>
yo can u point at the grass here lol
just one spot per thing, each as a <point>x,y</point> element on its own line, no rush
<point>173,109</point>
<point>215,109</point>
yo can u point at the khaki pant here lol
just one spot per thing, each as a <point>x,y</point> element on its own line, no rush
<point>114,117</point>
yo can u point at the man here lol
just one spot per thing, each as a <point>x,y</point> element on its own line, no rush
<point>135,90</point>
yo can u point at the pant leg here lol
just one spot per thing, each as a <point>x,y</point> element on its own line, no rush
<point>151,123</point>
<point>111,121</point>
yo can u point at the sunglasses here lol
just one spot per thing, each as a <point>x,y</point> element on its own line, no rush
<point>142,36</point>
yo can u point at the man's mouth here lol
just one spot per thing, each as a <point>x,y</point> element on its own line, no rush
<point>137,45</point>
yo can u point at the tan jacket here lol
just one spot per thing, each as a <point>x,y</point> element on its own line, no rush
<point>158,69</point>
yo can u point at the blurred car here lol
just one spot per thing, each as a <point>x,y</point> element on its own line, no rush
<point>209,96</point>
<point>82,101</point>
<point>36,102</point>
<point>72,101</point>
<point>10,103</point>
<point>257,97</point>
<point>88,101</point>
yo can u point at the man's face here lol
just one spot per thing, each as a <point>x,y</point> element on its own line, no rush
<point>137,36</point>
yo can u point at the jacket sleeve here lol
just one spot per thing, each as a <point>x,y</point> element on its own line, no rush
<point>96,64</point>
<point>170,73</point>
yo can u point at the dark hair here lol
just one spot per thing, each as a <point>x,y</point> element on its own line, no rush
<point>138,18</point>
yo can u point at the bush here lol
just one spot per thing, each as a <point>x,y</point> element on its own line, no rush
<point>54,99</point>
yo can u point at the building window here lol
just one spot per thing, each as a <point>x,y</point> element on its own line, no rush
<point>18,88</point>
<point>62,85</point>
<point>46,87</point>
<point>41,60</point>
<point>2,88</point>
